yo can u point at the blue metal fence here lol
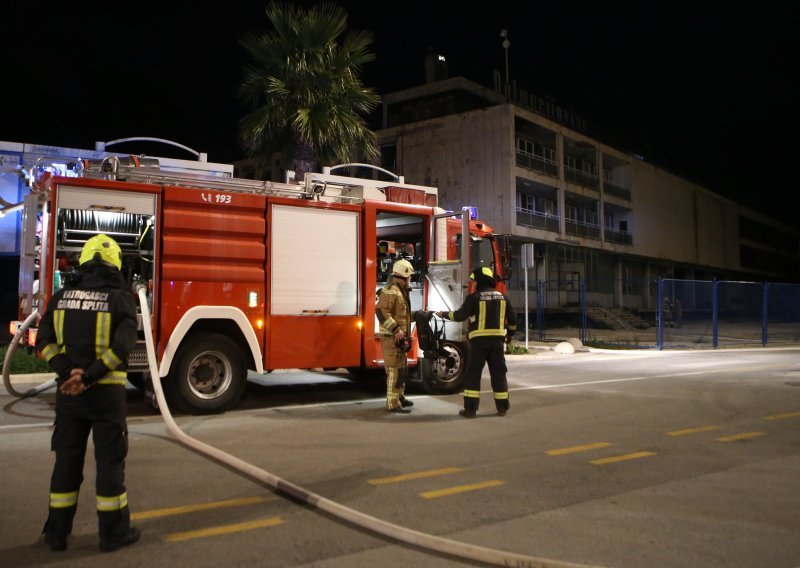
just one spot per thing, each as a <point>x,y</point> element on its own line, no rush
<point>672,314</point>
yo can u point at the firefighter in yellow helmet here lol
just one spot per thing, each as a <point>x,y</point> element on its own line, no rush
<point>491,321</point>
<point>85,335</point>
<point>394,316</point>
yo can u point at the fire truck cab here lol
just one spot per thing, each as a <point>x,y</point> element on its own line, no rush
<point>251,276</point>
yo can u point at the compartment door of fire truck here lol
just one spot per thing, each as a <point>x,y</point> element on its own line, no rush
<point>313,281</point>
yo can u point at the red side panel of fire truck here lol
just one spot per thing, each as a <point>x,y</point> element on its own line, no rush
<point>212,254</point>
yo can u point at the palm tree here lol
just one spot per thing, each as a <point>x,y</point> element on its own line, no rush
<point>303,88</point>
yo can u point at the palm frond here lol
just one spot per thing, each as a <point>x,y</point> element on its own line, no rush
<point>302,85</point>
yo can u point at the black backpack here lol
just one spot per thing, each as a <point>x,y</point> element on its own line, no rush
<point>429,335</point>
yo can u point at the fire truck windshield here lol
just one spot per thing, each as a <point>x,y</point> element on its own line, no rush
<point>481,251</point>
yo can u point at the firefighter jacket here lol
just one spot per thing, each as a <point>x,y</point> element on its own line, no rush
<point>489,313</point>
<point>393,309</point>
<point>90,325</point>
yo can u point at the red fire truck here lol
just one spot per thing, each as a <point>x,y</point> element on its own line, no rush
<point>252,276</point>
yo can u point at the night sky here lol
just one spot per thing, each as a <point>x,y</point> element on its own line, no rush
<point>705,92</point>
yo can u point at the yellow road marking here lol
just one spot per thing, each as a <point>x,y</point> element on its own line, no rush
<point>574,449</point>
<point>623,457</point>
<point>417,475</point>
<point>742,436</point>
<point>194,508</point>
<point>460,489</point>
<point>692,430</point>
<point>225,529</point>
<point>783,416</point>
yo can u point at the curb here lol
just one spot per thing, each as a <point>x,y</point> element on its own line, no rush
<point>31,378</point>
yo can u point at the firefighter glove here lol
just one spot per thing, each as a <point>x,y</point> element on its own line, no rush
<point>403,344</point>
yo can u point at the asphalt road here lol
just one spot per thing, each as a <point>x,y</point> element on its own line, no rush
<point>653,459</point>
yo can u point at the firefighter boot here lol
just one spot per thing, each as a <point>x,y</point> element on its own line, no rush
<point>115,543</point>
<point>394,403</point>
<point>115,529</point>
<point>470,407</point>
<point>502,405</point>
<point>55,540</point>
<point>404,402</point>
<point>58,527</point>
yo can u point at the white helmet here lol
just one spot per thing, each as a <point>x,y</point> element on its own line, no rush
<point>403,269</point>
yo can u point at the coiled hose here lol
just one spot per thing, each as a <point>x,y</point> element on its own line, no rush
<point>7,362</point>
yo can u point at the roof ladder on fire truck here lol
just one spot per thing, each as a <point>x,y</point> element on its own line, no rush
<point>146,170</point>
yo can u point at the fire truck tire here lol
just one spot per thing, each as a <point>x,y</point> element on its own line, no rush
<point>209,375</point>
<point>444,374</point>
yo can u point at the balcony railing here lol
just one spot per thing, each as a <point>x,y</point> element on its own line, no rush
<point>537,219</point>
<point>537,163</point>
<point>581,229</point>
<point>616,191</point>
<point>618,237</point>
<point>581,178</point>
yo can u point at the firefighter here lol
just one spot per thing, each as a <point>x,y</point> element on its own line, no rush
<point>491,321</point>
<point>85,335</point>
<point>394,315</point>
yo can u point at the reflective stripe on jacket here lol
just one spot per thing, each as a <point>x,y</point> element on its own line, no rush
<point>489,313</point>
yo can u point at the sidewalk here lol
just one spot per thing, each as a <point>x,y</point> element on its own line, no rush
<point>550,349</point>
<point>693,335</point>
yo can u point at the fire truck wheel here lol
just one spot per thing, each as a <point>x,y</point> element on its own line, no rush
<point>444,373</point>
<point>209,374</point>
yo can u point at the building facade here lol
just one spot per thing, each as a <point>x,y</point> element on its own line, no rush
<point>594,214</point>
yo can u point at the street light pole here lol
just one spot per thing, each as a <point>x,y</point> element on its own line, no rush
<point>506,45</point>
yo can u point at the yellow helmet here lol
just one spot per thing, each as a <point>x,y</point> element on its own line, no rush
<point>402,268</point>
<point>483,271</point>
<point>103,248</point>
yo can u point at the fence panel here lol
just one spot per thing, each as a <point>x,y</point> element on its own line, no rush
<point>740,314</point>
<point>667,314</point>
<point>783,314</point>
<point>687,314</point>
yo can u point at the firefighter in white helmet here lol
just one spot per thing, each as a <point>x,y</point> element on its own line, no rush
<point>394,315</point>
<point>85,335</point>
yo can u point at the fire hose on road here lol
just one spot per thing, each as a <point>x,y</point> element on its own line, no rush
<point>395,532</point>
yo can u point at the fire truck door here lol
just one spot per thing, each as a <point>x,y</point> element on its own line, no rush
<point>313,282</point>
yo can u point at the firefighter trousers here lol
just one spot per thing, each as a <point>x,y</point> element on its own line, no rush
<point>396,366</point>
<point>484,350</point>
<point>100,410</point>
